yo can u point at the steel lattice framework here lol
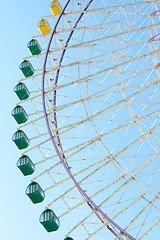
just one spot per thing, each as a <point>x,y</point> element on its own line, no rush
<point>98,105</point>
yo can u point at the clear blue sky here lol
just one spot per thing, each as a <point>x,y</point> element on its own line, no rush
<point>19,217</point>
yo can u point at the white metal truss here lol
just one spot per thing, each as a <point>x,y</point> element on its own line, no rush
<point>108,118</point>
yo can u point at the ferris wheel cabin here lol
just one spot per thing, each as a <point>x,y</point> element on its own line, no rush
<point>19,114</point>
<point>26,68</point>
<point>49,220</point>
<point>21,91</point>
<point>55,7</point>
<point>20,139</point>
<point>25,165</point>
<point>35,192</point>
<point>34,47</point>
<point>44,27</point>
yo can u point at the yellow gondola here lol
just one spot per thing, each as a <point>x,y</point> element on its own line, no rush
<point>55,7</point>
<point>44,27</point>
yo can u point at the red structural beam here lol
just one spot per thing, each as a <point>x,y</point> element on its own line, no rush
<point>155,13</point>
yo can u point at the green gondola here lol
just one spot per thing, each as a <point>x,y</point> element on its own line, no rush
<point>20,139</point>
<point>34,47</point>
<point>22,91</point>
<point>26,68</point>
<point>35,192</point>
<point>25,165</point>
<point>19,114</point>
<point>49,220</point>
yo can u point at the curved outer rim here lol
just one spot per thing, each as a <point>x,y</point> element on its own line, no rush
<point>90,203</point>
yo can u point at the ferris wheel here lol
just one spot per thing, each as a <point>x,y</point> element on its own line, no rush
<point>89,119</point>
